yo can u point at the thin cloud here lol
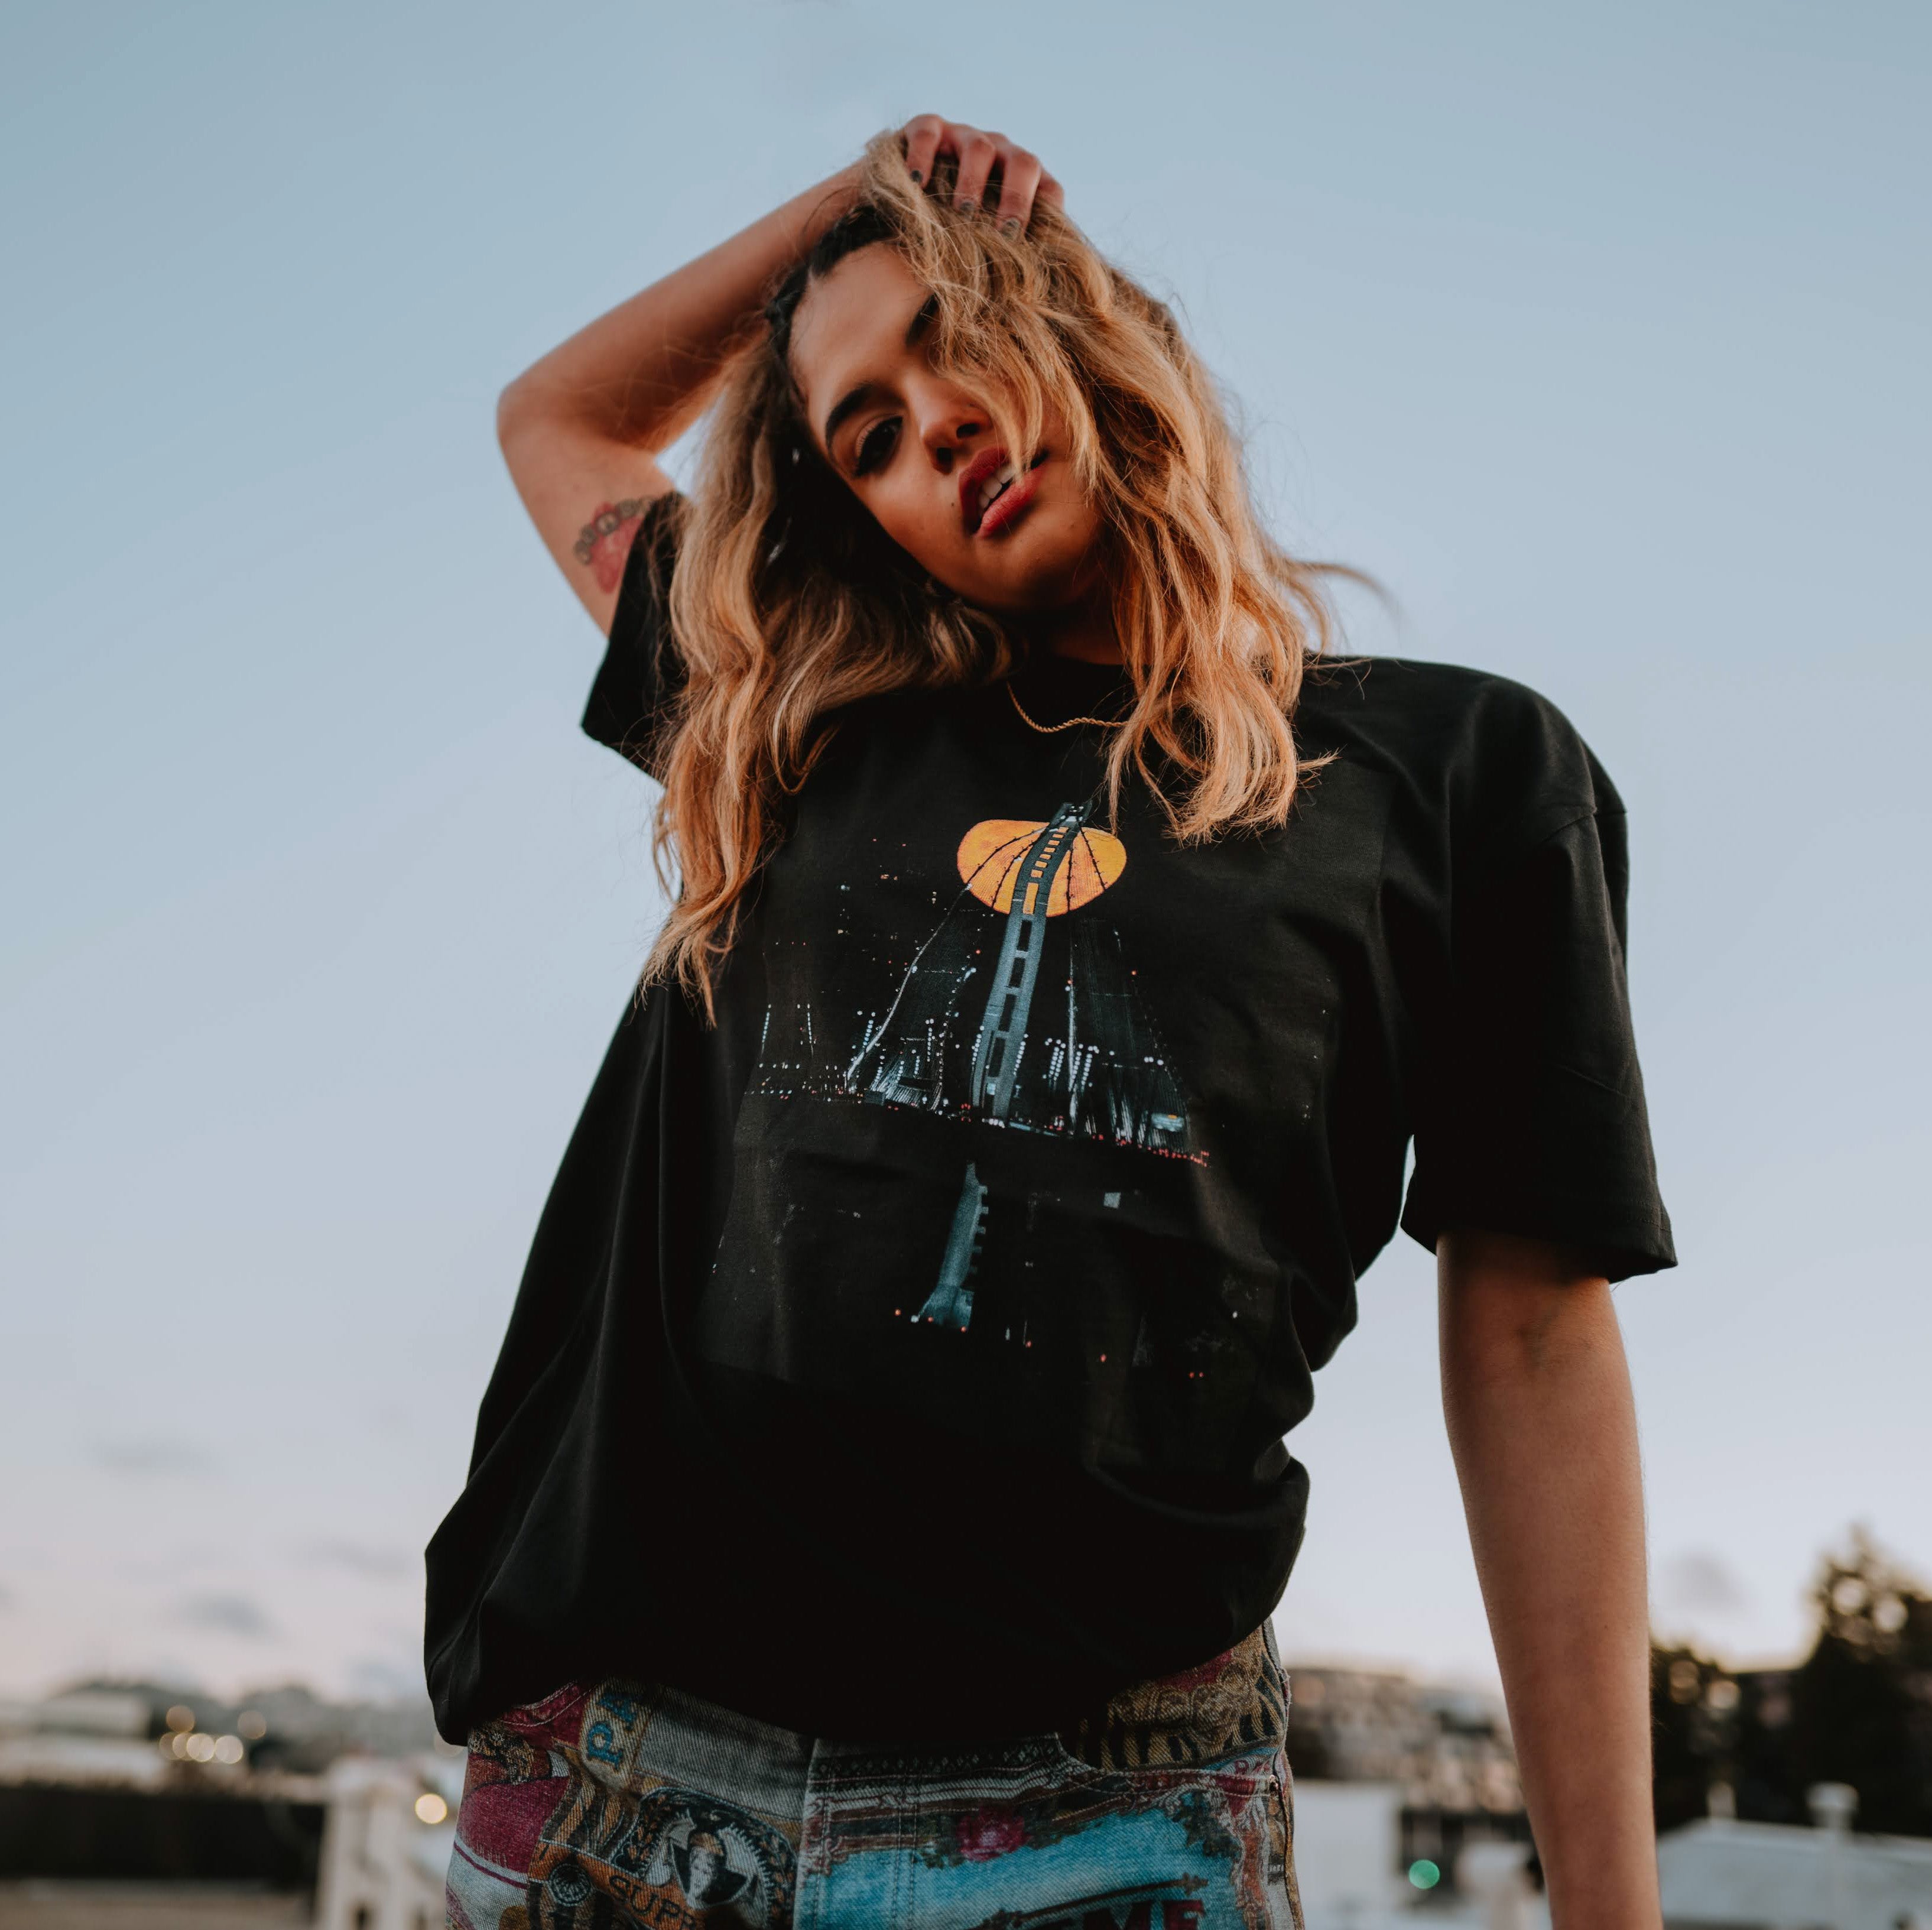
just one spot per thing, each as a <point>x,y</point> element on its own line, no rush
<point>362,1558</point>
<point>1700,1583</point>
<point>226,1615</point>
<point>153,1457</point>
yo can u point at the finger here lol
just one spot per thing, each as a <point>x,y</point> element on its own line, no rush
<point>1019,180</point>
<point>922,135</point>
<point>977,154</point>
<point>1050,190</point>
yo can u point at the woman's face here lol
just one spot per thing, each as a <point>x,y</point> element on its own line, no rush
<point>922,454</point>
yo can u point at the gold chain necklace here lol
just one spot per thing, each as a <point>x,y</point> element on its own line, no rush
<point>1048,730</point>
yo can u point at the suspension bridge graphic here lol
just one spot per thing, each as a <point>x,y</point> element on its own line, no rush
<point>1043,1031</point>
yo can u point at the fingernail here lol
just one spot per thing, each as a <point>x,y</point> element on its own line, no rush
<point>967,207</point>
<point>918,179</point>
<point>1010,227</point>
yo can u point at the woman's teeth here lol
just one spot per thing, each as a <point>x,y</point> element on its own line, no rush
<point>993,484</point>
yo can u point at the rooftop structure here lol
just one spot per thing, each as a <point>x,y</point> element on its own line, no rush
<point>1720,1875</point>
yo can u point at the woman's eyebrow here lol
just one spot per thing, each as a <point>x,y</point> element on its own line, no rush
<point>856,398</point>
<point>853,398</point>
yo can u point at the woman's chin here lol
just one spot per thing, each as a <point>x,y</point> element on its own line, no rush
<point>1033,578</point>
<point>1029,597</point>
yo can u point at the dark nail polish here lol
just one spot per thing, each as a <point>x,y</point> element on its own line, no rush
<point>918,179</point>
<point>1010,227</point>
<point>969,207</point>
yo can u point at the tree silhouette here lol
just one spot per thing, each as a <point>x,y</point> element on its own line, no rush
<point>1861,1704</point>
<point>1693,1708</point>
<point>1857,1710</point>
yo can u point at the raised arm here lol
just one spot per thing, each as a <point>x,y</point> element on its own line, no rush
<point>582,429</point>
<point>1538,1398</point>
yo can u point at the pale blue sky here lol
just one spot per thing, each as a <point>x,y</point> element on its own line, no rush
<point>1600,333</point>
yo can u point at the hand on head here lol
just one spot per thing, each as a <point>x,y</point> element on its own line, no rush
<point>981,161</point>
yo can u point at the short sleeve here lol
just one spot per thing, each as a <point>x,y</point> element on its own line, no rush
<point>636,685</point>
<point>1530,1116</point>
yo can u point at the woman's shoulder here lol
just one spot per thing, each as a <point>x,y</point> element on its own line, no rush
<point>1473,740</point>
<point>1428,696</point>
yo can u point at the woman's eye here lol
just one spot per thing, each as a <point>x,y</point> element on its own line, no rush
<point>876,444</point>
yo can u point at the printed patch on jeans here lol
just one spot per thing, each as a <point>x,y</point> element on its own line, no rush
<point>671,1859</point>
<point>1235,1704</point>
<point>518,1777</point>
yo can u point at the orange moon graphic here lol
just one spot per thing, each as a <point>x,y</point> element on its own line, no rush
<point>990,855</point>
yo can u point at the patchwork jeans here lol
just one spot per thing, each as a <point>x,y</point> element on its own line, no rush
<point>621,1804</point>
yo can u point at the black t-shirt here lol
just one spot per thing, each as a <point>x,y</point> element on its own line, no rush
<point>909,1354</point>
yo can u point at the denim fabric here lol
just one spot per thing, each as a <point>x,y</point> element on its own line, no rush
<point>622,1804</point>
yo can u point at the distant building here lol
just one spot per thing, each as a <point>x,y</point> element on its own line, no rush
<point>1347,1851</point>
<point>1445,1754</point>
<point>143,1782</point>
<point>84,1734</point>
<point>138,1732</point>
<point>385,1852</point>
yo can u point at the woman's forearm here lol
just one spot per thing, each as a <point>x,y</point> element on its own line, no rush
<point>1537,1395</point>
<point>640,374</point>
<point>581,430</point>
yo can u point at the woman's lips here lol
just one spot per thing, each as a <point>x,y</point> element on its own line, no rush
<point>1013,501</point>
<point>972,480</point>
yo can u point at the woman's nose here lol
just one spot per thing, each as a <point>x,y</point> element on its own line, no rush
<point>949,430</point>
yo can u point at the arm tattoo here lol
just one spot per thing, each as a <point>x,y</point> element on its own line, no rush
<point>604,541</point>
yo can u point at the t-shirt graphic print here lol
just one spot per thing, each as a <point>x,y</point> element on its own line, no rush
<point>1087,1062</point>
<point>990,1146</point>
<point>959,1038</point>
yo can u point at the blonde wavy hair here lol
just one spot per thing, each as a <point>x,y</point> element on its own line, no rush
<point>787,602</point>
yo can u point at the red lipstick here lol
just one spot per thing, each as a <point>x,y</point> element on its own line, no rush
<point>1012,502</point>
<point>981,517</point>
<point>973,479</point>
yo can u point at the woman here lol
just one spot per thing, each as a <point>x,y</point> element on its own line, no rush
<point>879,1504</point>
